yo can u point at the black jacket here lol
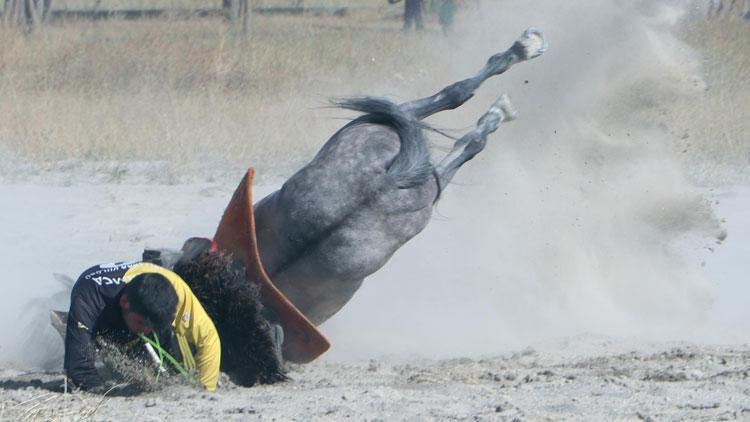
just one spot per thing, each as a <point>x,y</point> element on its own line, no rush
<point>95,311</point>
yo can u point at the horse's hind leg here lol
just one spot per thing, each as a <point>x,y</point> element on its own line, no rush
<point>473,142</point>
<point>531,44</point>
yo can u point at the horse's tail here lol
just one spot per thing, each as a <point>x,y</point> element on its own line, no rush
<point>412,166</point>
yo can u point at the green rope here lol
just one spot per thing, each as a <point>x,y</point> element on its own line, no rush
<point>164,354</point>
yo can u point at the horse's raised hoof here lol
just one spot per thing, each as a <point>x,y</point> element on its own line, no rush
<point>532,44</point>
<point>501,110</point>
<point>503,104</point>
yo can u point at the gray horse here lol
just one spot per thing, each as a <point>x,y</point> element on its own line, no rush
<point>369,190</point>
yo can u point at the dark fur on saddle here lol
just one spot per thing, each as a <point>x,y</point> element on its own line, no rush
<point>233,303</point>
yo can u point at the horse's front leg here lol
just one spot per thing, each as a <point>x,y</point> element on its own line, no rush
<point>531,44</point>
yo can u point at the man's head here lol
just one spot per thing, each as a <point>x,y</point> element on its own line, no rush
<point>148,303</point>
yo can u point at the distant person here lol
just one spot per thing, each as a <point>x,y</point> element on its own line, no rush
<point>121,300</point>
<point>446,14</point>
<point>412,14</point>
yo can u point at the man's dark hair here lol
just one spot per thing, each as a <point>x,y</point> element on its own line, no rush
<point>152,295</point>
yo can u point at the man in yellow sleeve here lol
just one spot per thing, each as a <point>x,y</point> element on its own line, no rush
<point>191,325</point>
<point>124,298</point>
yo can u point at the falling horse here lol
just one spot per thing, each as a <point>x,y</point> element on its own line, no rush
<point>371,188</point>
<point>368,191</point>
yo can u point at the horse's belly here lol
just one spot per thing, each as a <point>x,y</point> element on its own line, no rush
<point>325,277</point>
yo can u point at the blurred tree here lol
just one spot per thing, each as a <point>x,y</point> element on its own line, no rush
<point>728,7</point>
<point>238,12</point>
<point>25,14</point>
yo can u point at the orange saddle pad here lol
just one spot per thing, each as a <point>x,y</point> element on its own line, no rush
<point>303,342</point>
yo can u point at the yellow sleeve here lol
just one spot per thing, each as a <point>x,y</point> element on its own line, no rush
<point>199,330</point>
<point>192,322</point>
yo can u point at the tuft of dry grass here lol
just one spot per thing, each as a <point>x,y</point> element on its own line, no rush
<point>49,406</point>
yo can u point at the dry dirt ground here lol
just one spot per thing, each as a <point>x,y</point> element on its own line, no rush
<point>606,381</point>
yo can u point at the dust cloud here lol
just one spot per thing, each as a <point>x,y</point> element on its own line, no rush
<point>577,218</point>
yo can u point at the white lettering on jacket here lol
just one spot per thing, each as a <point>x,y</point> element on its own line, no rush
<point>109,268</point>
<point>107,281</point>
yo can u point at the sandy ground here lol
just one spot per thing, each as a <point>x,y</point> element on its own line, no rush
<point>657,382</point>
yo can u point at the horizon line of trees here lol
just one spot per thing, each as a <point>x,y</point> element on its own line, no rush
<point>28,15</point>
